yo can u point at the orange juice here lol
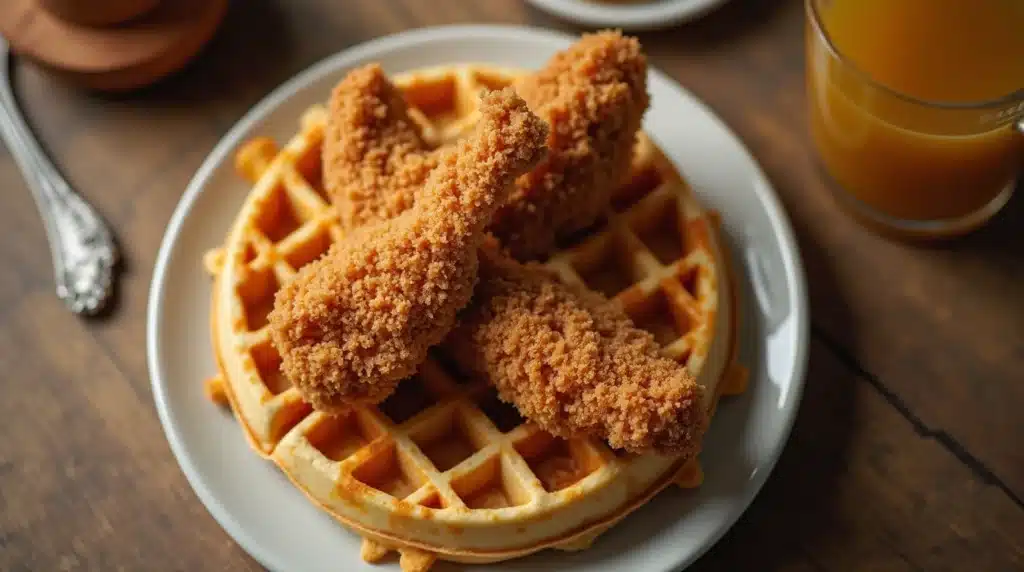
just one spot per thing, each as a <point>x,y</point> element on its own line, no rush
<point>912,104</point>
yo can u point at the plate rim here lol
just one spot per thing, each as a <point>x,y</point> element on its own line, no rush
<point>790,255</point>
<point>634,17</point>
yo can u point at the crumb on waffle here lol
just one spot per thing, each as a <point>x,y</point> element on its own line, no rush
<point>215,390</point>
<point>213,261</point>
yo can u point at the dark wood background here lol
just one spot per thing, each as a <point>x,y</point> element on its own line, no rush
<point>907,451</point>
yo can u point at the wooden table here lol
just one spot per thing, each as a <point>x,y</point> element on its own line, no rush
<point>907,451</point>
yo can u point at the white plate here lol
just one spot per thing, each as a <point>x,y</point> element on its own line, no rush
<point>272,520</point>
<point>628,14</point>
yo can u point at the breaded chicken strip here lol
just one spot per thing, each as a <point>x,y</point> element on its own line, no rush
<point>375,161</point>
<point>573,362</point>
<point>594,96</point>
<point>361,318</point>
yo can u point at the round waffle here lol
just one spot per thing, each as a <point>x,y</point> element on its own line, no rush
<point>443,468</point>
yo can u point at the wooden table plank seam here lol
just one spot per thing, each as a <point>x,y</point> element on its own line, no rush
<point>144,396</point>
<point>948,442</point>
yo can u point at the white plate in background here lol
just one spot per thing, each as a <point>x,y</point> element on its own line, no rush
<point>628,15</point>
<point>279,527</point>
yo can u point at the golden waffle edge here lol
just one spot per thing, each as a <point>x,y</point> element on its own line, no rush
<point>499,488</point>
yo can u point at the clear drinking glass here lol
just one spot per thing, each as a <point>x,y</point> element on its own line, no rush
<point>918,166</point>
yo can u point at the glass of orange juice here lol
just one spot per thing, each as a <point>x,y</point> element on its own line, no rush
<point>917,108</point>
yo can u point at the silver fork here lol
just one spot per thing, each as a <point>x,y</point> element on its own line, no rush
<point>82,247</point>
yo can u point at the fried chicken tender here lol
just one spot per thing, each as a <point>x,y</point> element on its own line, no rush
<point>574,363</point>
<point>593,95</point>
<point>355,322</point>
<point>375,160</point>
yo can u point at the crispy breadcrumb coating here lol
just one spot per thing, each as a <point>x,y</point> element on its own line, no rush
<point>375,161</point>
<point>354,323</point>
<point>573,362</point>
<point>593,96</point>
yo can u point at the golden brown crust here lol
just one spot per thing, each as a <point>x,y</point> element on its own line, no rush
<point>375,161</point>
<point>574,363</point>
<point>359,319</point>
<point>593,96</point>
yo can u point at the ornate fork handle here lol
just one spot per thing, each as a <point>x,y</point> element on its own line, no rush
<point>82,247</point>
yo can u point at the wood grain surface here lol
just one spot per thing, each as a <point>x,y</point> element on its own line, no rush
<point>906,454</point>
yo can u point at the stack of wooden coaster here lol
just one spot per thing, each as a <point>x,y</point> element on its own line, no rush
<point>110,45</point>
